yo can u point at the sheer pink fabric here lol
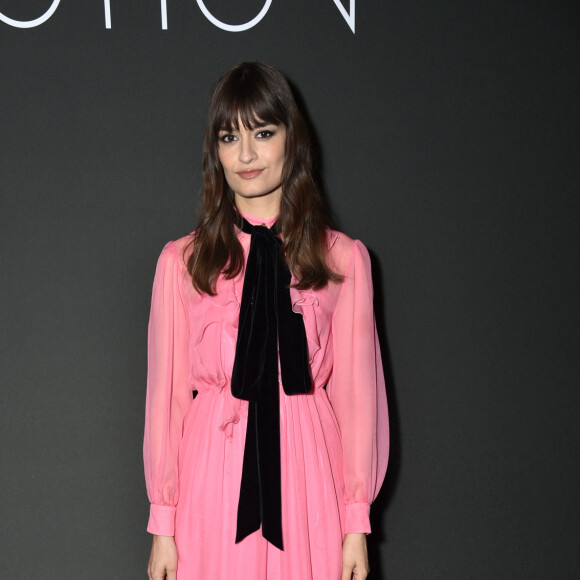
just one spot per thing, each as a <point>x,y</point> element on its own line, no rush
<point>334,441</point>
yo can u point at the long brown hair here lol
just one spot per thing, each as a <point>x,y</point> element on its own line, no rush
<point>256,93</point>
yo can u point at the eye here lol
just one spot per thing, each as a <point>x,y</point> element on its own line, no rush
<point>227,138</point>
<point>265,134</point>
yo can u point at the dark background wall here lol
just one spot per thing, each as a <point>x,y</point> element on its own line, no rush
<point>450,140</point>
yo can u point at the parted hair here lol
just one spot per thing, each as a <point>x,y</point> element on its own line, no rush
<point>256,93</point>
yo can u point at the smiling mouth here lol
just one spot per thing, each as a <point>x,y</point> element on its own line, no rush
<point>249,174</point>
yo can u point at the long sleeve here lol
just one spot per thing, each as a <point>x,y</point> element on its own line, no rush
<point>357,392</point>
<point>168,393</point>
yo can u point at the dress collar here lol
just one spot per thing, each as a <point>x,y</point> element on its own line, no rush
<point>258,221</point>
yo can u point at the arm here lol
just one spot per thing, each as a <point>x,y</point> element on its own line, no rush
<point>357,394</point>
<point>168,397</point>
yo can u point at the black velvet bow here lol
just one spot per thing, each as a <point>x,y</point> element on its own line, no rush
<point>267,328</point>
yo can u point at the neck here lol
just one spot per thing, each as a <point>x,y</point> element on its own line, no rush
<point>265,207</point>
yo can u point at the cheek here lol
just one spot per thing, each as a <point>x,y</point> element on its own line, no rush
<point>224,159</point>
<point>280,156</point>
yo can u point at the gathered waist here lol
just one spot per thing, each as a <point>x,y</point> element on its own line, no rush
<point>233,409</point>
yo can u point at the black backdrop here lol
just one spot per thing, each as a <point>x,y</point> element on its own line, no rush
<point>450,142</point>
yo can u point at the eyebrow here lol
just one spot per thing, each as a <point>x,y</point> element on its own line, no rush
<point>262,124</point>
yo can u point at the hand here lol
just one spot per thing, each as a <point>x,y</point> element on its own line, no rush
<point>163,559</point>
<point>355,559</point>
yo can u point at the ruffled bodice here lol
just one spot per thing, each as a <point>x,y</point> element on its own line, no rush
<point>214,322</point>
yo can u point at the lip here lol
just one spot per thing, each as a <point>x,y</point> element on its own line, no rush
<point>250,174</point>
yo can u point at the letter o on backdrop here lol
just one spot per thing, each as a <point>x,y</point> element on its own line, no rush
<point>234,27</point>
<point>31,23</point>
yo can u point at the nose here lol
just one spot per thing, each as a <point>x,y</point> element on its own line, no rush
<point>247,153</point>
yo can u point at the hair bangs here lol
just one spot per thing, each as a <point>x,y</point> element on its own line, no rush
<point>252,104</point>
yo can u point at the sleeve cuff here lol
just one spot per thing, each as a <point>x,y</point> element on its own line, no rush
<point>161,520</point>
<point>358,518</point>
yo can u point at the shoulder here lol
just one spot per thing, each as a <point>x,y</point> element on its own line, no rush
<point>184,245</point>
<point>177,251</point>
<point>344,251</point>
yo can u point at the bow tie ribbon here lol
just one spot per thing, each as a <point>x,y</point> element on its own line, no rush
<point>269,331</point>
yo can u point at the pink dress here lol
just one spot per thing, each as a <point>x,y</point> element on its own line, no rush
<point>334,441</point>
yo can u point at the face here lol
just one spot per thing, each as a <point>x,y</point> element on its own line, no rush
<point>253,160</point>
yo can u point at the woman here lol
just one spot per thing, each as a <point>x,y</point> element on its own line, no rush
<point>267,314</point>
